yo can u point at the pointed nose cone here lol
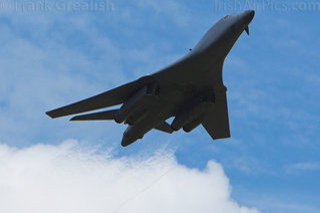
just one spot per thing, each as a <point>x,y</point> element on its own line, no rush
<point>247,16</point>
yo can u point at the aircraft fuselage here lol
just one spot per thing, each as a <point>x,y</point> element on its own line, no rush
<point>195,74</point>
<point>191,90</point>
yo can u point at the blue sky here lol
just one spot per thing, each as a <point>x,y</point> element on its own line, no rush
<point>55,56</point>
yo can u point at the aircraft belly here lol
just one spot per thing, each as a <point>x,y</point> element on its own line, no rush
<point>191,80</point>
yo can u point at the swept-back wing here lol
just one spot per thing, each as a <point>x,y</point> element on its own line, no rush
<point>112,97</point>
<point>110,114</point>
<point>99,116</point>
<point>217,120</point>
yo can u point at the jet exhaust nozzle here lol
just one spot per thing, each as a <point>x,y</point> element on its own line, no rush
<point>188,117</point>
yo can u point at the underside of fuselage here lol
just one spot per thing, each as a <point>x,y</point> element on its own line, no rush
<point>167,104</point>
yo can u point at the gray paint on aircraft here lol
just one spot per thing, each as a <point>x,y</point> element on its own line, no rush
<point>191,90</point>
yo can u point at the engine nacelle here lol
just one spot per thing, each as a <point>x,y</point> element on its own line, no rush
<point>193,124</point>
<point>130,136</point>
<point>137,102</point>
<point>189,116</point>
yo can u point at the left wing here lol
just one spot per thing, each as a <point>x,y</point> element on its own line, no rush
<point>110,114</point>
<point>120,94</point>
<point>99,116</point>
<point>112,97</point>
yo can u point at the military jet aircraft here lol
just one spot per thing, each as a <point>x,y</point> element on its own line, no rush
<point>191,90</point>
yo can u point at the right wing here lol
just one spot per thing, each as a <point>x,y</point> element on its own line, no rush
<point>217,120</point>
<point>112,97</point>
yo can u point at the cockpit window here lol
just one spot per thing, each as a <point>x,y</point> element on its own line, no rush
<point>226,17</point>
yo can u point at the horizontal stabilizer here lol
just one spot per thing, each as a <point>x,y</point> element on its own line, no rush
<point>105,115</point>
<point>164,127</point>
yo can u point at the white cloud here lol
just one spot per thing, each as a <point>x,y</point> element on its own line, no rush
<point>71,178</point>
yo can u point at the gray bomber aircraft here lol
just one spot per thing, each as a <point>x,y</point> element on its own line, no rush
<point>191,90</point>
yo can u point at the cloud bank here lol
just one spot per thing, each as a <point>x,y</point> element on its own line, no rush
<point>72,178</point>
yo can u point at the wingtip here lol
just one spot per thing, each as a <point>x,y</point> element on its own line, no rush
<point>49,113</point>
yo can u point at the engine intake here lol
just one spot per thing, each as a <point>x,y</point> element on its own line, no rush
<point>137,102</point>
